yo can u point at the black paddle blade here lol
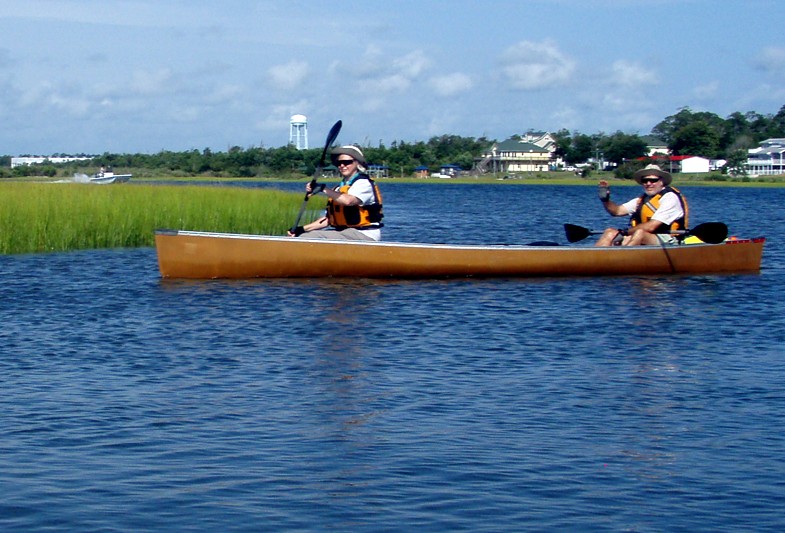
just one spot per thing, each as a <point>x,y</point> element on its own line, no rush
<point>576,233</point>
<point>331,136</point>
<point>710,232</point>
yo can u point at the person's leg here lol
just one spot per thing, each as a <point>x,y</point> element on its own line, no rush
<point>319,234</point>
<point>607,238</point>
<point>650,239</point>
<point>667,239</point>
<point>348,234</point>
<point>352,234</point>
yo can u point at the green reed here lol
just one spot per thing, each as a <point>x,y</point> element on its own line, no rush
<point>43,217</point>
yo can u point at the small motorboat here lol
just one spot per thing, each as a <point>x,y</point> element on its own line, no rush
<point>107,176</point>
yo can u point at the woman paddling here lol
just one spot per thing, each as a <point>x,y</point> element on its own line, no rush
<point>354,207</point>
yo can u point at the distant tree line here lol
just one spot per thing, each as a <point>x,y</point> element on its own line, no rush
<point>687,132</point>
<point>684,133</point>
<point>401,157</point>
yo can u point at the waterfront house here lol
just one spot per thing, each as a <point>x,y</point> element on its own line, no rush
<point>514,155</point>
<point>543,139</point>
<point>687,164</point>
<point>378,171</point>
<point>692,164</point>
<point>655,145</point>
<point>767,158</point>
<point>421,171</point>
<point>449,171</point>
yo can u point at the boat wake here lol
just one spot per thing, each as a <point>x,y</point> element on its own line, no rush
<point>76,178</point>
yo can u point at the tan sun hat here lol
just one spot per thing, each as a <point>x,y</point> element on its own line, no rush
<point>350,150</point>
<point>653,170</point>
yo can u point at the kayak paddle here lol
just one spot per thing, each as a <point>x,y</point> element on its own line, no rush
<point>709,232</point>
<point>331,136</point>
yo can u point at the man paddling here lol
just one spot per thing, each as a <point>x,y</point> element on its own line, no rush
<point>660,210</point>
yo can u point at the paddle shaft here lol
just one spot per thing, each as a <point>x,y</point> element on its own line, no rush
<point>331,136</point>
<point>302,207</point>
<point>709,232</point>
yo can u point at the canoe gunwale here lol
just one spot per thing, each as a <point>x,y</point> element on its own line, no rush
<point>374,244</point>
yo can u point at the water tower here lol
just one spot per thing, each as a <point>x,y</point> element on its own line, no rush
<point>298,132</point>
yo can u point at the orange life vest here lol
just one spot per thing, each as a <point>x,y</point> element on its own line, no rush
<point>648,205</point>
<point>356,216</point>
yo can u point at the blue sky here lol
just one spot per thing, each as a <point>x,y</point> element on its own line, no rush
<point>94,76</point>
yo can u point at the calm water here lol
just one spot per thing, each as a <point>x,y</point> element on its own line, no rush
<point>130,403</point>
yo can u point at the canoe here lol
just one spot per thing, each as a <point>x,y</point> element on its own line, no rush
<point>204,255</point>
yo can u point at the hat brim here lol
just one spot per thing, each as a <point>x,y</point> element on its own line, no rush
<point>664,176</point>
<point>346,151</point>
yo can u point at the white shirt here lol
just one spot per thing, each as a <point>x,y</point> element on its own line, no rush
<point>363,191</point>
<point>669,210</point>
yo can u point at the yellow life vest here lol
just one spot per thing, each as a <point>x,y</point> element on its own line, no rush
<point>648,205</point>
<point>356,216</point>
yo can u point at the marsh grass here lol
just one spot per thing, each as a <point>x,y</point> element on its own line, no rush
<point>45,217</point>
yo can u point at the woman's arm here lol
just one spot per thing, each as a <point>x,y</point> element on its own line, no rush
<point>341,198</point>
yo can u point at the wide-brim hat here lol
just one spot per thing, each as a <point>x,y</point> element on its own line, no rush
<point>349,150</point>
<point>653,170</point>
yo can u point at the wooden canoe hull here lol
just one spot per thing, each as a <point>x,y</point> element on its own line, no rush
<point>202,255</point>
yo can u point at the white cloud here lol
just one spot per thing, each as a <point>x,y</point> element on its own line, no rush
<point>568,117</point>
<point>186,114</point>
<point>621,102</point>
<point>393,83</point>
<point>137,13</point>
<point>63,100</point>
<point>439,123</point>
<point>763,92</point>
<point>373,80</point>
<point>707,90</point>
<point>226,93</point>
<point>532,66</point>
<point>150,82</point>
<point>289,75</point>
<point>5,58</point>
<point>399,76</point>
<point>411,65</point>
<point>74,106</point>
<point>277,118</point>
<point>375,75</point>
<point>772,59</point>
<point>451,84</point>
<point>622,93</point>
<point>372,105</point>
<point>628,74</point>
<point>368,64</point>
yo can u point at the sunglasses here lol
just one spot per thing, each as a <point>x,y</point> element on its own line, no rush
<point>342,162</point>
<point>650,180</point>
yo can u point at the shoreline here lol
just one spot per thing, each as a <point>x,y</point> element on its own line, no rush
<point>772,182</point>
<point>713,179</point>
